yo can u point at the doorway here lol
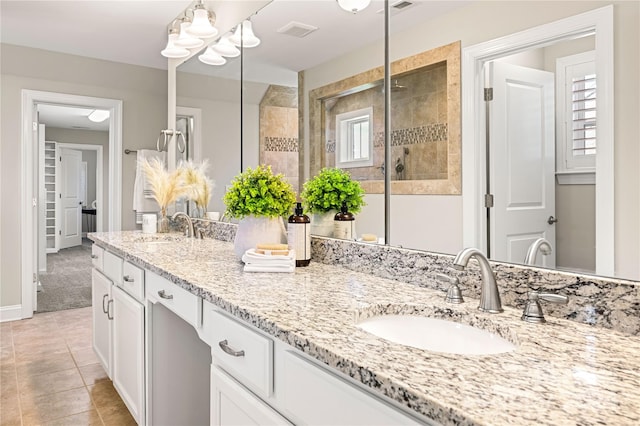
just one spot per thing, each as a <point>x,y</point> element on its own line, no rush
<point>30,206</point>
<point>598,23</point>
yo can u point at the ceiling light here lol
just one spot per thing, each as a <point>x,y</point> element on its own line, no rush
<point>173,51</point>
<point>202,24</point>
<point>244,36</point>
<point>211,57</point>
<point>98,115</point>
<point>226,48</point>
<point>185,39</point>
<point>353,6</point>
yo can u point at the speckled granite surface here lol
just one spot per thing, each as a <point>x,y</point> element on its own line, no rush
<point>610,303</point>
<point>562,372</point>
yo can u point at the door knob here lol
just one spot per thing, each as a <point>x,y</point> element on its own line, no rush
<point>551,220</point>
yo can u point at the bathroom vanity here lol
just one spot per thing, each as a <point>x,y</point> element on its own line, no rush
<point>189,338</point>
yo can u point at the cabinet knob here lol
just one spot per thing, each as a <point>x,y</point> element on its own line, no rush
<point>224,345</point>
<point>128,279</point>
<point>164,295</point>
<point>94,256</point>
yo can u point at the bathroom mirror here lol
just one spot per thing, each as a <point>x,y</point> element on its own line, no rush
<point>435,222</point>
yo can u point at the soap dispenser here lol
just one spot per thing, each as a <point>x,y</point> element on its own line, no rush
<point>344,224</point>
<point>299,236</point>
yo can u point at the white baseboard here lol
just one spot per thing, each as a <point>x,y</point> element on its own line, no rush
<point>10,313</point>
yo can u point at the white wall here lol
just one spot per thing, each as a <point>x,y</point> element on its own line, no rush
<point>483,21</point>
<point>144,95</point>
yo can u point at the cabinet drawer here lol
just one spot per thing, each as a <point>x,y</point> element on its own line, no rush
<point>133,280</point>
<point>242,352</point>
<point>312,395</point>
<point>113,267</point>
<point>97,254</point>
<point>184,304</point>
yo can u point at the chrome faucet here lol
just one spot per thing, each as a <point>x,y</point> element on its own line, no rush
<point>541,245</point>
<point>489,295</point>
<point>189,231</point>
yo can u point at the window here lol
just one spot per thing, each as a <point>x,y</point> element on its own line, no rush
<point>354,138</point>
<point>576,118</point>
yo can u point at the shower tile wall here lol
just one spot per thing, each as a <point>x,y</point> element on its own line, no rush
<point>419,138</point>
<point>279,131</point>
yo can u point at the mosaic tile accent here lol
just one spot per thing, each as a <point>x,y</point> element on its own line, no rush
<point>561,372</point>
<point>416,135</point>
<point>280,144</point>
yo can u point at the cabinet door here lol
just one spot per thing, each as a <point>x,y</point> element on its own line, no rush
<point>128,351</point>
<point>102,309</point>
<point>231,404</point>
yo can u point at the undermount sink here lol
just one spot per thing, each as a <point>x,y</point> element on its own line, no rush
<point>436,335</point>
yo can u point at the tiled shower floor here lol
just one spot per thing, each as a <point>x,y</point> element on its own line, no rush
<point>49,374</point>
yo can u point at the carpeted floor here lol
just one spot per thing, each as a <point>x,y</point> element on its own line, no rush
<point>67,283</point>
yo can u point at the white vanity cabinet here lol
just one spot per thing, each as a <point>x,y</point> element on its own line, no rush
<point>102,308</point>
<point>256,379</point>
<point>118,326</point>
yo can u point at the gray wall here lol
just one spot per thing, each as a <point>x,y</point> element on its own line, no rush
<point>143,92</point>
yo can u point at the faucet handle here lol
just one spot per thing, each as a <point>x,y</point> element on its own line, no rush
<point>454,295</point>
<point>533,310</point>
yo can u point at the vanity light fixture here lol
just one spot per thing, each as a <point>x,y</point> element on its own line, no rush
<point>244,36</point>
<point>185,39</point>
<point>173,51</point>
<point>225,48</point>
<point>202,24</point>
<point>353,6</point>
<point>211,57</point>
<point>98,115</point>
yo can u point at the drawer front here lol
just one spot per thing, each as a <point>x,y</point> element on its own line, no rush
<point>242,352</point>
<point>186,305</point>
<point>97,254</point>
<point>133,281</point>
<point>113,267</point>
<point>311,395</point>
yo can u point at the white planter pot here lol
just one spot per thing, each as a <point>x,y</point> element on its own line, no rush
<point>322,223</point>
<point>254,230</point>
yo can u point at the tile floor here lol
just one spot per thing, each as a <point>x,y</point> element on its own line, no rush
<point>49,374</point>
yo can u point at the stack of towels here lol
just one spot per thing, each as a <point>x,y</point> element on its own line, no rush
<point>269,258</point>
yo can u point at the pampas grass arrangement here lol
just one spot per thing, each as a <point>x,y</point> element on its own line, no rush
<point>166,187</point>
<point>198,187</point>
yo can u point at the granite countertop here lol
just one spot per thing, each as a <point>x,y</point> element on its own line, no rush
<point>562,372</point>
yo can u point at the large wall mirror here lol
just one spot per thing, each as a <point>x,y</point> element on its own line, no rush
<point>313,44</point>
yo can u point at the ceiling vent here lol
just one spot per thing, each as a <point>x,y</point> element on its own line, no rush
<point>297,29</point>
<point>398,7</point>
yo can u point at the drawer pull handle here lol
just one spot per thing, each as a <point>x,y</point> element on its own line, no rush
<point>104,308</point>
<point>94,256</point>
<point>128,279</point>
<point>109,304</point>
<point>164,295</point>
<point>224,345</point>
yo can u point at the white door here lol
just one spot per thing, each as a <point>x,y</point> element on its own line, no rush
<point>522,161</point>
<point>71,198</point>
<point>128,351</point>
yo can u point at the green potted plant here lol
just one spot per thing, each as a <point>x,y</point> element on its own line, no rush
<point>324,194</point>
<point>259,199</point>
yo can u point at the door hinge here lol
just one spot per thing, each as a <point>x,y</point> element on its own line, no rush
<point>59,232</point>
<point>60,195</point>
<point>35,277</point>
<point>488,94</point>
<point>34,202</point>
<point>488,200</point>
<point>35,126</point>
<point>61,158</point>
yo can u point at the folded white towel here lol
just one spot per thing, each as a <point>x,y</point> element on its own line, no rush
<point>265,268</point>
<point>256,262</point>
<point>143,201</point>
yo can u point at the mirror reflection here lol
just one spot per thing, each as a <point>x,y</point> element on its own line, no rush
<point>345,45</point>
